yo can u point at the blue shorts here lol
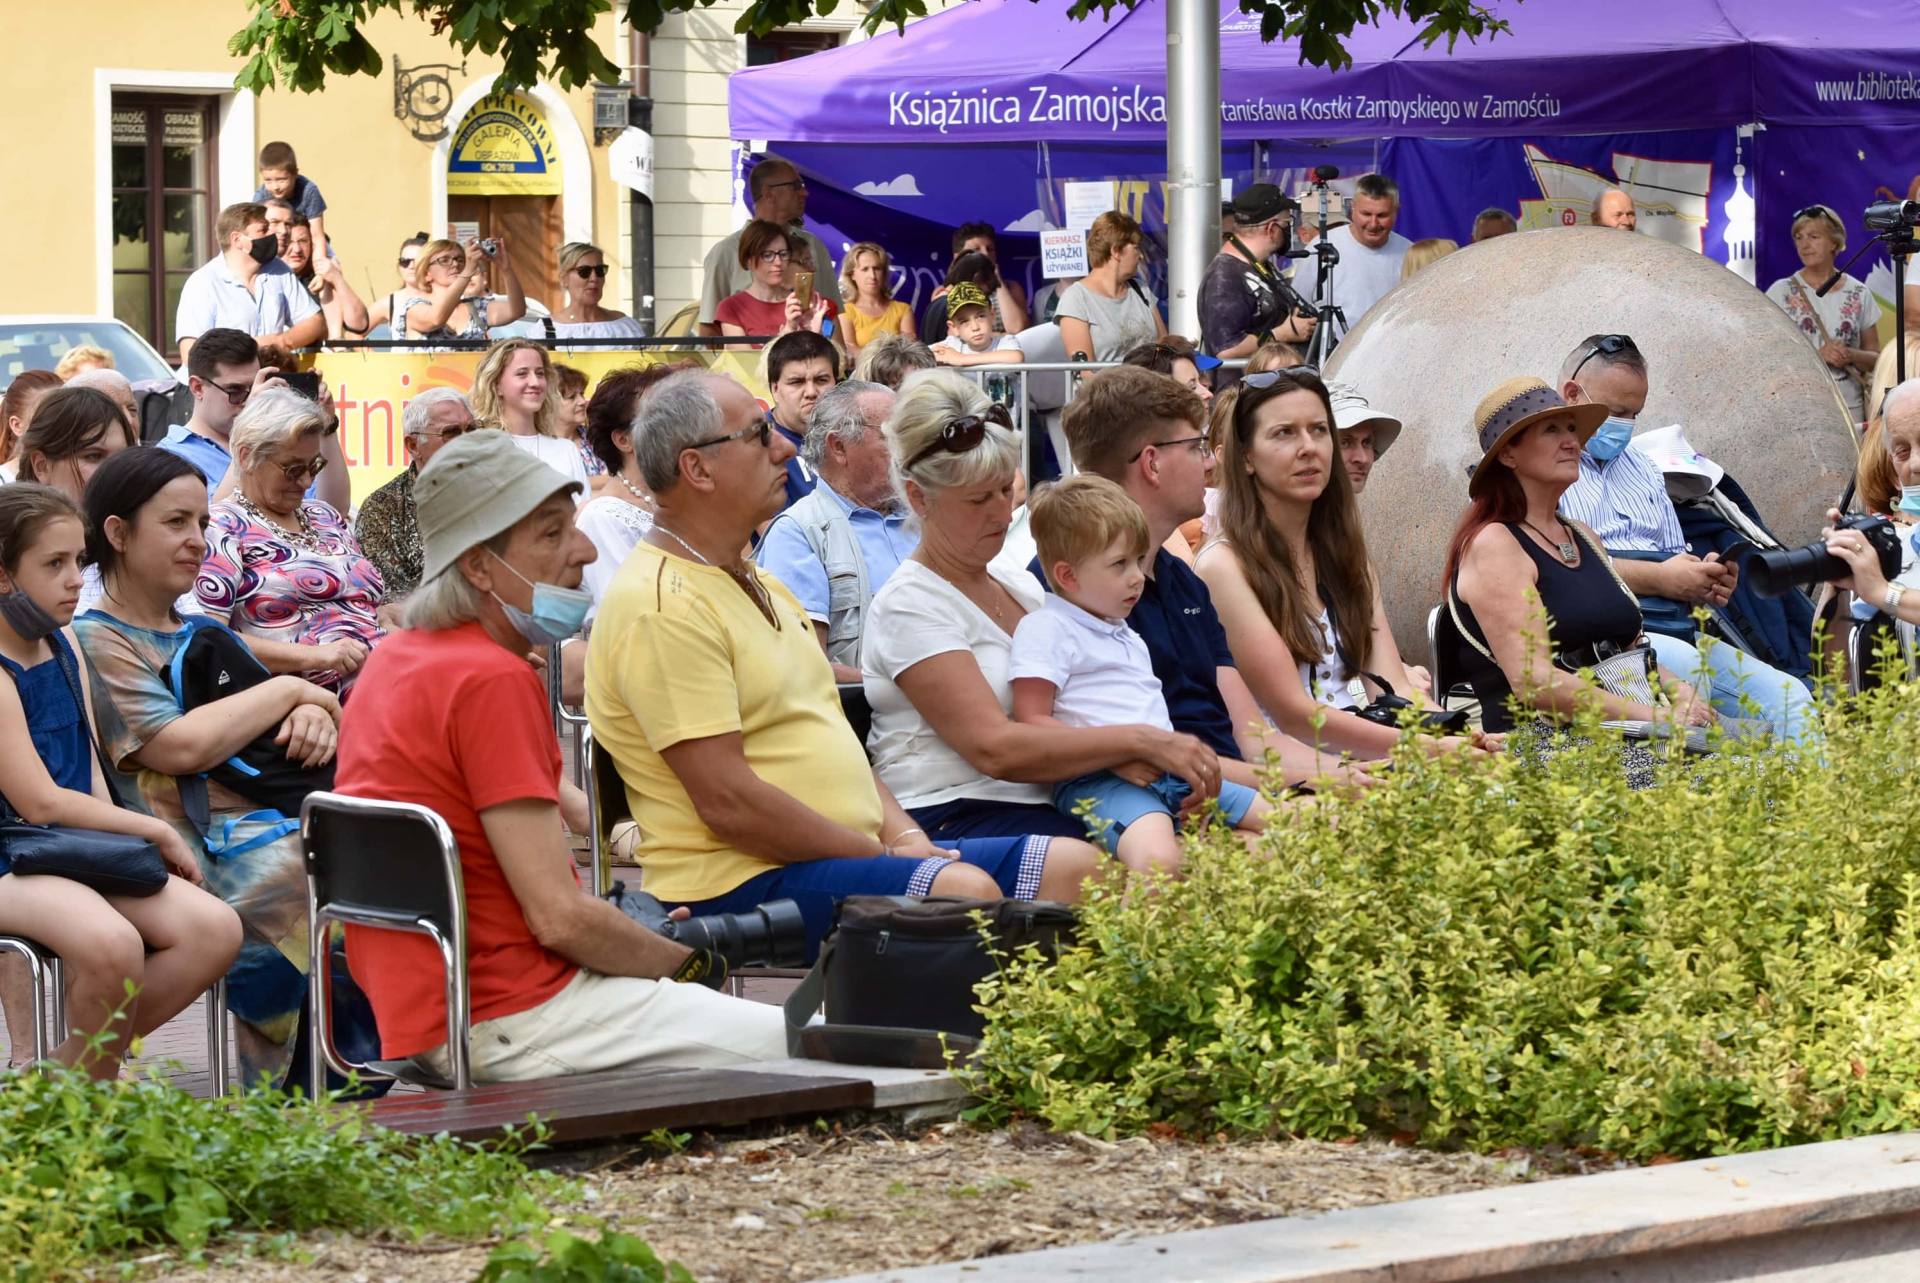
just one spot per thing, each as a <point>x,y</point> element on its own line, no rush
<point>1119,803</point>
<point>818,886</point>
<point>950,822</point>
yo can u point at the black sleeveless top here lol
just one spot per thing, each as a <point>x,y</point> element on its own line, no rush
<point>1584,604</point>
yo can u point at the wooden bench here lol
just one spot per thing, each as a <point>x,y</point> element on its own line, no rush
<point>622,1103</point>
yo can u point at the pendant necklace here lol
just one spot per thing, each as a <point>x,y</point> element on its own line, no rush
<point>1568,552</point>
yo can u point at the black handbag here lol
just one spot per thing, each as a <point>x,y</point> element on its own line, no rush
<point>897,976</point>
<point>1386,710</point>
<point>110,863</point>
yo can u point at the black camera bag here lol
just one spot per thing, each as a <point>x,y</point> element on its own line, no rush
<point>898,973</point>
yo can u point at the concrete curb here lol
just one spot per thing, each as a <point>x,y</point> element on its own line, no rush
<point>1832,1211</point>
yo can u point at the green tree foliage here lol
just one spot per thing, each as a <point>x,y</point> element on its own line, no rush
<point>299,43</point>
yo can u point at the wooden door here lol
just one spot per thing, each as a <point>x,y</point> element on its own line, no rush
<point>531,227</point>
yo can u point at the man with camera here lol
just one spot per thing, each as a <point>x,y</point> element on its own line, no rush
<point>448,714</point>
<point>1621,496</point>
<point>1244,301</point>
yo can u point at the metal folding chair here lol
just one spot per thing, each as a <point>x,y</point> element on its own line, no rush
<point>391,866</point>
<point>43,964</point>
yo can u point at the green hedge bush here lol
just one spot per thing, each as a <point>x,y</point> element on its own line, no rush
<point>1486,954</point>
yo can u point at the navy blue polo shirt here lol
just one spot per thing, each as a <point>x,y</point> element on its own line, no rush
<point>800,478</point>
<point>1175,618</point>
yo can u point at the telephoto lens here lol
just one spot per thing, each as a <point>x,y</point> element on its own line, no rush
<point>1776,571</point>
<point>769,935</point>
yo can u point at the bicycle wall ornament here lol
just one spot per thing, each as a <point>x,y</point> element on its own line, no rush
<point>422,97</point>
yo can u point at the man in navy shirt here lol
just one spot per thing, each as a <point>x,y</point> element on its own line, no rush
<point>1147,433</point>
<point>800,368</point>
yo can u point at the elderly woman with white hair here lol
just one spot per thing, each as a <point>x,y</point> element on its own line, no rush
<point>282,570</point>
<point>386,525</point>
<point>939,640</point>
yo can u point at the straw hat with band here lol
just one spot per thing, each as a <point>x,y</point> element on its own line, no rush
<point>479,486</point>
<point>1350,411</point>
<point>1515,406</point>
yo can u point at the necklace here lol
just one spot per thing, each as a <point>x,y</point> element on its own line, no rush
<point>1568,552</point>
<point>645,500</point>
<point>748,584</point>
<point>305,535</point>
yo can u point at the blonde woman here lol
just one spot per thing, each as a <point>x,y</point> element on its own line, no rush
<point>866,283</point>
<point>83,356</point>
<point>451,301</point>
<point>1841,325</point>
<point>583,281</point>
<point>1425,254</point>
<point>514,390</point>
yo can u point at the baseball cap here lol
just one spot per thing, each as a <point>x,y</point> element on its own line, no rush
<point>475,488</point>
<point>1350,411</point>
<point>964,294</point>
<point>1260,202</point>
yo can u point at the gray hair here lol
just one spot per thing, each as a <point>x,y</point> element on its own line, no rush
<point>1377,187</point>
<point>675,413</point>
<point>1495,214</point>
<point>274,418</point>
<point>413,419</point>
<point>929,401</point>
<point>112,382</point>
<point>1897,398</point>
<point>889,358</point>
<point>1587,355</point>
<point>837,414</point>
<point>447,600</point>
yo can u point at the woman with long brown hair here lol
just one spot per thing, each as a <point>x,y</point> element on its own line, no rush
<point>1289,572</point>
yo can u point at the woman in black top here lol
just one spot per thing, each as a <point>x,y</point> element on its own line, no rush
<point>1513,556</point>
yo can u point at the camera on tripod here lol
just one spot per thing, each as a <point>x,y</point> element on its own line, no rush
<point>1892,215</point>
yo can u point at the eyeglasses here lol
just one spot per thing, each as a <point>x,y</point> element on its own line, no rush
<point>302,473</point>
<point>761,429</point>
<point>962,435</point>
<point>775,256</point>
<point>1199,444</point>
<point>236,395</point>
<point>454,431</point>
<point>791,182</point>
<point>584,271</point>
<point>1267,378</point>
<point>1605,345</point>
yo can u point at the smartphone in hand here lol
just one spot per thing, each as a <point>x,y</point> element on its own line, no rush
<point>305,382</point>
<point>803,290</point>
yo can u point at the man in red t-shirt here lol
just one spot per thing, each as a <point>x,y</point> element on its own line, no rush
<point>448,714</point>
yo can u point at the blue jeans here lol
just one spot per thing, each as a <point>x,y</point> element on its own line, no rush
<point>1778,698</point>
<point>1118,804</point>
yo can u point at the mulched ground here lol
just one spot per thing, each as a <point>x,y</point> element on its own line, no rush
<point>819,1204</point>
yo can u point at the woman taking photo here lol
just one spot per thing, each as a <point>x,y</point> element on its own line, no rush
<point>173,944</point>
<point>768,307</point>
<point>939,641</point>
<point>1289,571</point>
<point>866,285</point>
<point>1513,556</point>
<point>282,570</point>
<point>515,391</point>
<point>146,514</point>
<point>453,302</point>
<point>1841,325</point>
<point>1108,314</point>
<point>583,281</point>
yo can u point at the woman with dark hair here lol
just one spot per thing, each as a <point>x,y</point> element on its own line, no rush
<point>74,431</point>
<point>16,411</point>
<point>768,306</point>
<point>1513,556</point>
<point>147,518</point>
<point>172,944</point>
<point>1289,571</point>
<point>622,514</point>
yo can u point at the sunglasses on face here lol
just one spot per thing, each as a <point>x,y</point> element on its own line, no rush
<point>962,434</point>
<point>236,395</point>
<point>406,263</point>
<point>584,271</point>
<point>302,473</point>
<point>1605,345</point>
<point>454,431</point>
<point>761,429</point>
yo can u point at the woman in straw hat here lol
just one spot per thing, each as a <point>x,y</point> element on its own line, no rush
<point>1514,555</point>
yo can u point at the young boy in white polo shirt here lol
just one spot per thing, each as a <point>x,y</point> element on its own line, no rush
<point>1077,663</point>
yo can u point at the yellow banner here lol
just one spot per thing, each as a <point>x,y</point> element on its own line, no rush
<point>503,148</point>
<point>371,390</point>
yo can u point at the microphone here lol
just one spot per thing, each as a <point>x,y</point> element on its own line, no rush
<point>1325,173</point>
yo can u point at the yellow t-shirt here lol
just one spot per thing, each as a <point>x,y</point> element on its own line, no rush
<point>892,320</point>
<point>680,652</point>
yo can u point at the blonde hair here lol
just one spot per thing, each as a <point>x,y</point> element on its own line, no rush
<point>1821,214</point>
<point>849,292</point>
<point>485,396</point>
<point>1111,232</point>
<point>1426,253</point>
<point>929,401</point>
<point>1273,355</point>
<point>1082,517</point>
<point>568,256</point>
<point>82,355</point>
<point>433,249</point>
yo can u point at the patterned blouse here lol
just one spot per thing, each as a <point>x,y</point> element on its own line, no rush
<point>389,533</point>
<point>311,588</point>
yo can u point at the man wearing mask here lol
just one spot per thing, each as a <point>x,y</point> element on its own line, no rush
<point>780,197</point>
<point>1622,497</point>
<point>247,288</point>
<point>1244,301</point>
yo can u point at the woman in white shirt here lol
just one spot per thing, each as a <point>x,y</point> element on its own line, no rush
<point>940,640</point>
<point>513,390</point>
<point>620,516</point>
<point>583,280</point>
<point>1841,325</point>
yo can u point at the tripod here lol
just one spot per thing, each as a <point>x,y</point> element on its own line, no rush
<point>1895,224</point>
<point>1330,322</point>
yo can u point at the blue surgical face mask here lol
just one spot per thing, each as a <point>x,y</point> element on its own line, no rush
<point>1910,500</point>
<point>26,616</point>
<point>1610,438</point>
<point>557,612</point>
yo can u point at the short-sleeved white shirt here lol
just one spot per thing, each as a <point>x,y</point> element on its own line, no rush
<point>917,615</point>
<point>564,458</point>
<point>1101,669</point>
<point>213,300</point>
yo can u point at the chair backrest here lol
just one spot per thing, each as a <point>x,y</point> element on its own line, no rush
<point>853,702</point>
<point>391,857</point>
<point>606,791</point>
<point>1042,345</point>
<point>1442,652</point>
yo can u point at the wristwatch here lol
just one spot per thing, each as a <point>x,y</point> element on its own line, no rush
<point>1891,603</point>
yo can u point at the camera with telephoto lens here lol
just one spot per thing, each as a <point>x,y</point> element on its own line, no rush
<point>771,935</point>
<point>490,247</point>
<point>1890,215</point>
<point>1775,571</point>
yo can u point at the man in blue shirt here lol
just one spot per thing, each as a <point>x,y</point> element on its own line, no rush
<point>1147,432</point>
<point>835,546</point>
<point>800,368</point>
<point>247,288</point>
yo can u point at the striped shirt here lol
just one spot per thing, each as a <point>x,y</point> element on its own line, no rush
<point>1624,501</point>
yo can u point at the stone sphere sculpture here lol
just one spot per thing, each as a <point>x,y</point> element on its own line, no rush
<point>1724,362</point>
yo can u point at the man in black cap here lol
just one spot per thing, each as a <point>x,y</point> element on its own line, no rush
<point>1244,301</point>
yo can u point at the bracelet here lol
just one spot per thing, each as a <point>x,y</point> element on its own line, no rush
<point>888,842</point>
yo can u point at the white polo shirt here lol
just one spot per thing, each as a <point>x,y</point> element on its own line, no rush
<point>1101,670</point>
<point>213,300</point>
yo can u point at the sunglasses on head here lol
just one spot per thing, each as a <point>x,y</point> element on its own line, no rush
<point>584,271</point>
<point>1814,211</point>
<point>962,434</point>
<point>1605,345</point>
<point>1267,378</point>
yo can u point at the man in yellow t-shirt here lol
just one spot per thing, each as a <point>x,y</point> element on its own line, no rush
<point>706,684</point>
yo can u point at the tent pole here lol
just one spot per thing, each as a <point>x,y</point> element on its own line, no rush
<point>1193,156</point>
